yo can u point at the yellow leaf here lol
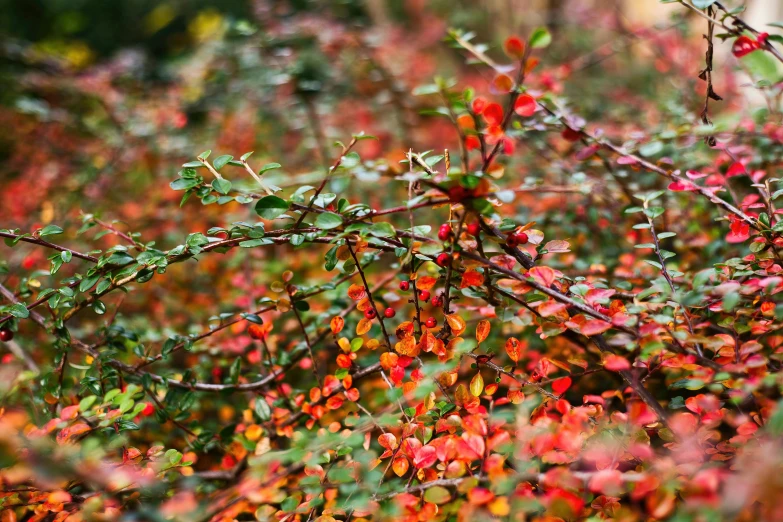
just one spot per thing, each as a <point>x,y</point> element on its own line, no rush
<point>363,326</point>
<point>477,385</point>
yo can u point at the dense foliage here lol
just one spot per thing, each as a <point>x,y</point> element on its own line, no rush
<point>535,278</point>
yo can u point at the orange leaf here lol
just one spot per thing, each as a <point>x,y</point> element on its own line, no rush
<point>503,83</point>
<point>363,326</point>
<point>456,323</point>
<point>595,327</point>
<point>426,282</point>
<point>557,246</point>
<point>400,466</point>
<point>70,432</point>
<point>516,396</point>
<point>344,361</point>
<point>356,292</point>
<point>408,347</point>
<point>543,275</point>
<point>388,441</point>
<point>404,330</point>
<point>352,394</point>
<point>388,360</point>
<point>550,308</point>
<point>482,330</point>
<point>514,349</point>
<point>471,278</point>
<point>479,496</point>
<point>336,324</point>
<point>461,395</point>
<point>334,402</point>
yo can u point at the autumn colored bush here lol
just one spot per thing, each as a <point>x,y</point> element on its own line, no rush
<point>527,283</point>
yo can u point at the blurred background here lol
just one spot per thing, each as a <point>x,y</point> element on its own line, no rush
<point>103,101</point>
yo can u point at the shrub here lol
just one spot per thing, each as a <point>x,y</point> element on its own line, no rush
<point>541,317</point>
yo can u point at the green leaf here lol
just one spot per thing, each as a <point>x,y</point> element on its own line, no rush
<point>221,161</point>
<point>50,230</point>
<point>703,4</point>
<point>762,66</point>
<point>246,155</point>
<point>652,148</point>
<point>66,256</point>
<point>85,403</point>
<point>19,310</point>
<point>382,230</point>
<point>119,258</point>
<point>184,183</point>
<point>221,185</point>
<point>262,409</point>
<point>437,495</point>
<point>204,155</point>
<point>271,207</point>
<point>540,38</point>
<point>88,281</point>
<point>423,90</point>
<point>255,242</point>
<point>234,371</point>
<point>328,221</point>
<point>269,166</point>
<point>192,164</point>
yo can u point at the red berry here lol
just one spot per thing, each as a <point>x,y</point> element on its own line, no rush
<point>474,228</point>
<point>148,410</point>
<point>522,238</point>
<point>6,335</point>
<point>369,313</point>
<point>424,295</point>
<point>431,322</point>
<point>445,232</point>
<point>389,313</point>
<point>437,301</point>
<point>443,259</point>
<point>512,240</point>
<point>405,286</point>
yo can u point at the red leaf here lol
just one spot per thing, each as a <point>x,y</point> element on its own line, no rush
<point>616,363</point>
<point>736,169</point>
<point>525,105</point>
<point>560,385</point>
<point>493,114</point>
<point>514,47</point>
<point>425,457</point>
<point>743,45</point>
